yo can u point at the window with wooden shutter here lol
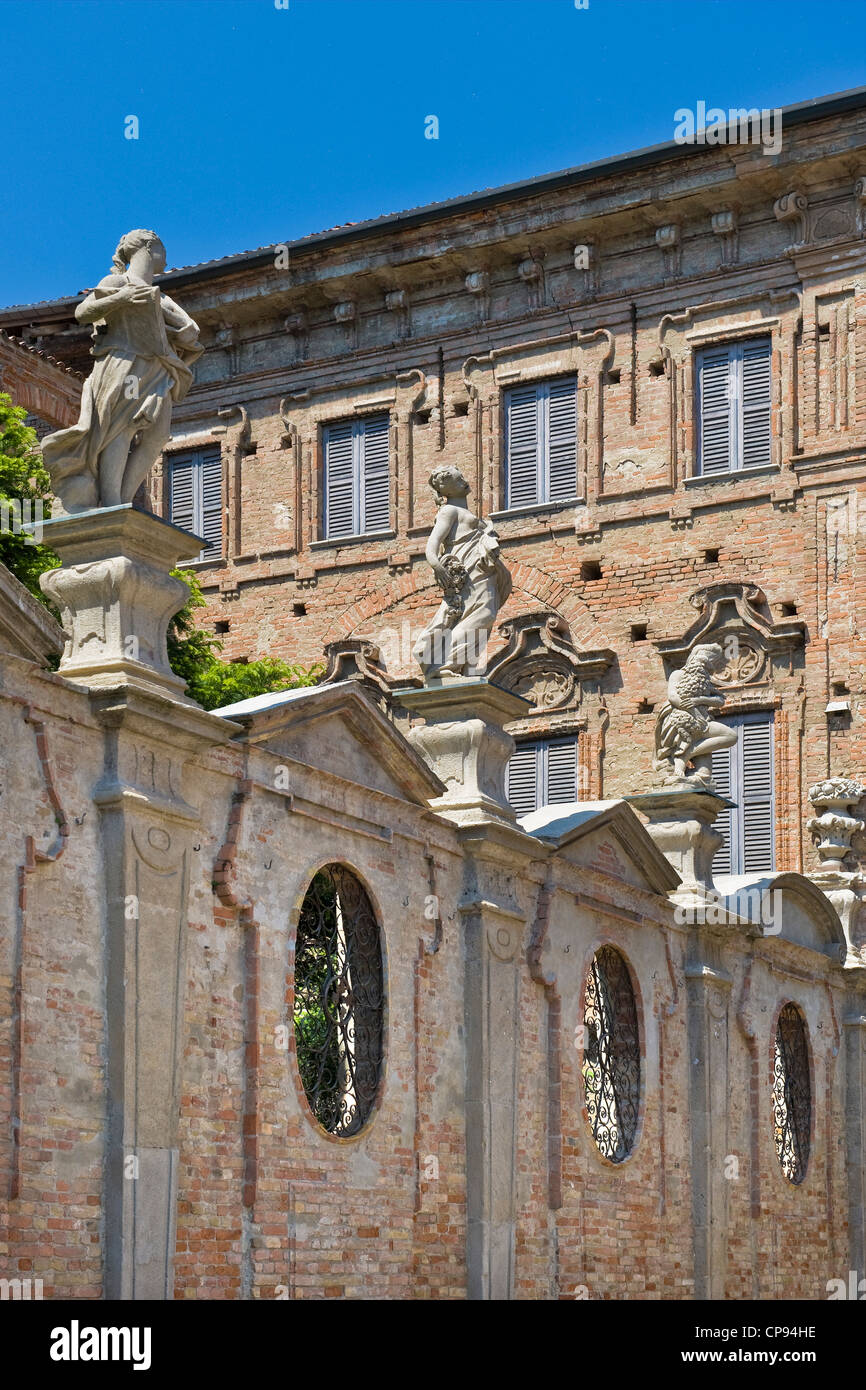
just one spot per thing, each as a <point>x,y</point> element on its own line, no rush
<point>541,443</point>
<point>543,773</point>
<point>196,497</point>
<point>744,774</point>
<point>357,477</point>
<point>734,407</point>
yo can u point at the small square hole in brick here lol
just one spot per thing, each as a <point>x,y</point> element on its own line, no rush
<point>614,377</point>
<point>711,557</point>
<point>299,610</point>
<point>645,707</point>
<point>422,417</point>
<point>823,330</point>
<point>590,569</point>
<point>222,626</point>
<point>789,610</point>
<point>461,407</point>
<point>656,368</point>
<point>638,632</point>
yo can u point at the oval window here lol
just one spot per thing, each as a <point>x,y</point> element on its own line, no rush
<point>338,1007</point>
<point>792,1094</point>
<point>611,1056</point>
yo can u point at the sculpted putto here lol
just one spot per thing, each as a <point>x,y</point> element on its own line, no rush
<point>684,731</point>
<point>144,345</point>
<point>463,551</point>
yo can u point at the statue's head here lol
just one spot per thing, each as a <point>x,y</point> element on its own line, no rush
<point>707,656</point>
<point>448,481</point>
<point>139,240</point>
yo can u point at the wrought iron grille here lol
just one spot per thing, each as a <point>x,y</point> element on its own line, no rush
<point>611,1059</point>
<point>339,993</point>
<point>792,1094</point>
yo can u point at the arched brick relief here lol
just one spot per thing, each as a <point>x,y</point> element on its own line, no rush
<point>531,584</point>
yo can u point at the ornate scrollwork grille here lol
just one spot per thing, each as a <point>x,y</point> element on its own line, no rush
<point>339,995</point>
<point>611,1058</point>
<point>792,1094</point>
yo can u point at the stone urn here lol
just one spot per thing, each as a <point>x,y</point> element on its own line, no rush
<point>833,828</point>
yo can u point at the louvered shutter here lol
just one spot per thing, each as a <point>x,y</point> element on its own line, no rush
<point>717,397</point>
<point>375,473</point>
<point>522,433</point>
<point>756,796</point>
<point>561,772</point>
<point>340,492</point>
<point>182,494</point>
<point>755,407</point>
<point>211,524</point>
<point>562,440</point>
<point>521,779</point>
<point>744,774</point>
<point>722,761</point>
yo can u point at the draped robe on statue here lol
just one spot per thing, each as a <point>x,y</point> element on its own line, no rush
<point>143,357</point>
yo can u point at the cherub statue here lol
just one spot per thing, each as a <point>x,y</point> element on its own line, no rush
<point>144,345</point>
<point>463,551</point>
<point>684,731</point>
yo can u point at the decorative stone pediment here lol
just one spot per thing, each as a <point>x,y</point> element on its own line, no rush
<point>339,730</point>
<point>541,663</point>
<point>736,616</point>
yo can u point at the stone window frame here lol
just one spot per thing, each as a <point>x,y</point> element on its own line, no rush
<point>304,881</point>
<point>679,345</point>
<point>607,939</point>
<point>161,493</point>
<point>366,411</point>
<point>306,414</point>
<point>587,356</point>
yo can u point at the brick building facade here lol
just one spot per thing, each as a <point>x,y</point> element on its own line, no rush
<point>627,291</point>
<point>619,279</point>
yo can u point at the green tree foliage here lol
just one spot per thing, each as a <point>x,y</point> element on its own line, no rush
<point>24,484</point>
<point>192,653</point>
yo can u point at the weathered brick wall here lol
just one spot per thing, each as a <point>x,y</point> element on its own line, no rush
<point>269,1206</point>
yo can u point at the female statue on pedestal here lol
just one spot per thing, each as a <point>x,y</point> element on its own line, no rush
<point>144,345</point>
<point>463,551</point>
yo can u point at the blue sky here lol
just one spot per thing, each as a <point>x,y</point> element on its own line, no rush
<point>259,124</point>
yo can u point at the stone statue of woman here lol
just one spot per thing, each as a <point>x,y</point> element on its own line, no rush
<point>463,551</point>
<point>144,345</point>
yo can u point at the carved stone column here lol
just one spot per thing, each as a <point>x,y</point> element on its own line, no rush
<point>464,741</point>
<point>681,824</point>
<point>708,993</point>
<point>117,598</point>
<point>854,1025</point>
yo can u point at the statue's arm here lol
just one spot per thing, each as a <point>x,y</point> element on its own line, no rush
<point>675,700</point>
<point>108,296</point>
<point>437,538</point>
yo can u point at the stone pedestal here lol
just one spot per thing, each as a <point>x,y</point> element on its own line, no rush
<point>116,595</point>
<point>464,741</point>
<point>681,824</point>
